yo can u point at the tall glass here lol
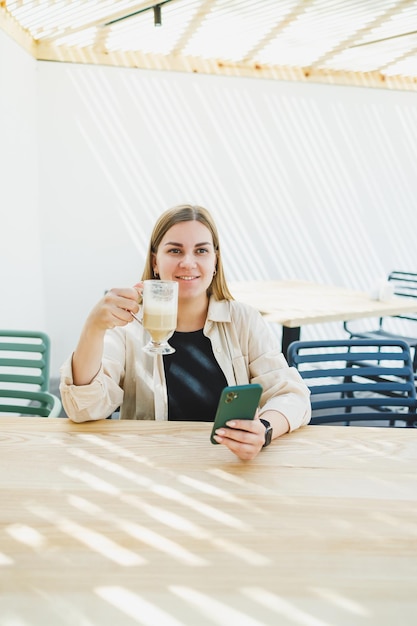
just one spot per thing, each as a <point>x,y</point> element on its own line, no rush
<point>160,305</point>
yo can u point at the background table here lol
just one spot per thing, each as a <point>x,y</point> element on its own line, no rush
<point>126,522</point>
<point>293,303</point>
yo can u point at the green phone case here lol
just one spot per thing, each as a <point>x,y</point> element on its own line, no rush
<point>236,402</point>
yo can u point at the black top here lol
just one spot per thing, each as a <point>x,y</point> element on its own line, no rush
<point>194,378</point>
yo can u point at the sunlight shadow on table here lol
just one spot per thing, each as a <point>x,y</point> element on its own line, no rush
<point>282,607</point>
<point>221,494</point>
<point>5,560</point>
<point>141,533</point>
<point>144,533</point>
<point>26,535</point>
<point>167,492</point>
<point>136,607</point>
<point>219,612</point>
<point>91,538</point>
<point>343,602</point>
<point>165,517</point>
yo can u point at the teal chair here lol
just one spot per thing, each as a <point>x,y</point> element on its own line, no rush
<point>24,374</point>
<point>31,403</point>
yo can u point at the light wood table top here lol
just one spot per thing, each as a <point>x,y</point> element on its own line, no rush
<point>294,303</point>
<point>125,522</point>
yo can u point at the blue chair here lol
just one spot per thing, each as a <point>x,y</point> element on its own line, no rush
<point>24,374</point>
<point>358,380</point>
<point>404,285</point>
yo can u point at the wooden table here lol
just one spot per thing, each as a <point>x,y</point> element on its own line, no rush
<point>294,303</point>
<point>125,522</point>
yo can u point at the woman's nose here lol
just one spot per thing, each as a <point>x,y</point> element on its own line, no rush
<point>187,261</point>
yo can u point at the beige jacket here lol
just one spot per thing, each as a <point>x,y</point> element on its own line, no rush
<point>243,344</point>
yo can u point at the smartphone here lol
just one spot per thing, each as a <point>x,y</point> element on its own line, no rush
<point>236,402</point>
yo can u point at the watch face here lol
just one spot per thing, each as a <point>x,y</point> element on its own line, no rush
<point>268,432</point>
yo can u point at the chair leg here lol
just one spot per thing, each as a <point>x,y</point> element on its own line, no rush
<point>411,422</point>
<point>415,360</point>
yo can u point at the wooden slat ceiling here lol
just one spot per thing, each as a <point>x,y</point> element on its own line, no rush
<point>353,42</point>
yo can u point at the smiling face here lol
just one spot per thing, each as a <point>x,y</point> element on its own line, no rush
<point>186,254</point>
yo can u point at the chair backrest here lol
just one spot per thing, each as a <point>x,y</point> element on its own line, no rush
<point>405,285</point>
<point>30,403</point>
<point>24,374</point>
<point>357,379</point>
<point>24,360</point>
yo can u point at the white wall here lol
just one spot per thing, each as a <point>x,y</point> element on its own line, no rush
<point>22,303</point>
<point>308,181</point>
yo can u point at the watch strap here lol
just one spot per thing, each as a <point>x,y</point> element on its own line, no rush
<point>268,432</point>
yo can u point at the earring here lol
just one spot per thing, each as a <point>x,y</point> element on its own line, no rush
<point>215,272</point>
<point>156,275</point>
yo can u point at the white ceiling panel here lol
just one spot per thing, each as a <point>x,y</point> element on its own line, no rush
<point>364,42</point>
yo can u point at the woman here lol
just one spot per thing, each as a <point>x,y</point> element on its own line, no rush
<point>218,342</point>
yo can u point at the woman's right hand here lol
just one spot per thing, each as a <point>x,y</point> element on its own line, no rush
<point>116,308</point>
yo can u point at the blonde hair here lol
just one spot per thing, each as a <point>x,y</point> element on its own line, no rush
<point>187,213</point>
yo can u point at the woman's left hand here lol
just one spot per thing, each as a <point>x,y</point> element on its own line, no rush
<point>245,438</point>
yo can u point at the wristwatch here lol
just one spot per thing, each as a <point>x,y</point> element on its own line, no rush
<point>268,432</point>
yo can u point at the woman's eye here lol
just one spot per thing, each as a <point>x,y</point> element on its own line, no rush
<point>198,251</point>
